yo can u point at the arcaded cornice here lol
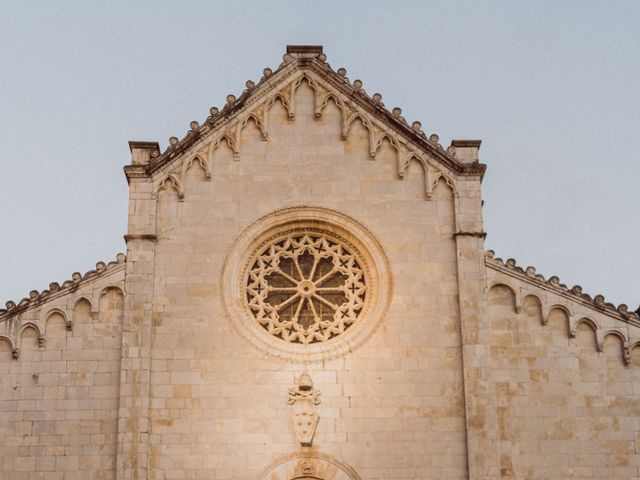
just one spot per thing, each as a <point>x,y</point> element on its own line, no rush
<point>56,290</point>
<point>310,59</point>
<point>552,284</point>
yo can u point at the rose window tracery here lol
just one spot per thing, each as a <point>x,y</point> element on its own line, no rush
<point>306,287</point>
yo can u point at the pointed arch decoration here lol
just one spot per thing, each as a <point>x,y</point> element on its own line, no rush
<point>380,137</point>
<point>15,351</point>
<point>258,118</point>
<point>378,133</point>
<point>85,298</point>
<point>348,119</point>
<point>284,99</point>
<point>200,158</point>
<point>172,181</point>
<point>436,176</point>
<point>229,136</point>
<point>68,323</point>
<point>36,328</point>
<point>322,100</point>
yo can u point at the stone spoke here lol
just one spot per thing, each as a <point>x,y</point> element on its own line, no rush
<point>313,310</point>
<point>286,303</point>
<point>282,289</point>
<point>326,277</point>
<point>287,276</point>
<point>326,302</point>
<point>295,262</point>
<point>316,260</point>
<point>330,289</point>
<point>300,305</point>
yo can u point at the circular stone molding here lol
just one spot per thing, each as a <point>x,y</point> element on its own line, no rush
<point>306,286</point>
<point>308,466</point>
<point>306,283</point>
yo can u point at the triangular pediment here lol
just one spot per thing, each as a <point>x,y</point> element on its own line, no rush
<point>308,64</point>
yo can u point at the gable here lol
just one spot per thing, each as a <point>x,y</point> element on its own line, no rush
<point>307,65</point>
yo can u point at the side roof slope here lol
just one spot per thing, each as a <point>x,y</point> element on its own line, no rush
<point>574,294</point>
<point>56,290</point>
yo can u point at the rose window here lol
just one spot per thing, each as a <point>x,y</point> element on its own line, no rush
<point>305,287</point>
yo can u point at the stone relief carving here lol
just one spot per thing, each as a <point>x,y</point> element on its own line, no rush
<point>34,311</point>
<point>552,295</point>
<point>306,287</point>
<point>303,397</point>
<point>306,283</point>
<point>529,273</point>
<point>409,141</point>
<point>36,298</point>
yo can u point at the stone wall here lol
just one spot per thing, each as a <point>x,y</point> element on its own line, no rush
<point>391,408</point>
<point>567,385</point>
<point>452,366</point>
<point>59,382</point>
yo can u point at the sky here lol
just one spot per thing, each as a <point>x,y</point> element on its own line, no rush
<point>551,87</point>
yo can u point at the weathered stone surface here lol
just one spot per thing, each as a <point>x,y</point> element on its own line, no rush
<point>429,360</point>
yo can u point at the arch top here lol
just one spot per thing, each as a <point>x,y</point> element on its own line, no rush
<point>111,288</point>
<point>308,466</point>
<point>517,300</point>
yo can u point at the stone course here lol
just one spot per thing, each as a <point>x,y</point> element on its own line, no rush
<point>473,369</point>
<point>59,398</point>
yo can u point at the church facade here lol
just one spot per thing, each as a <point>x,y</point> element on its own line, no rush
<point>306,295</point>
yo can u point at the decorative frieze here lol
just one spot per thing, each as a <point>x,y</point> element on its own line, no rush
<point>579,308</point>
<point>409,142</point>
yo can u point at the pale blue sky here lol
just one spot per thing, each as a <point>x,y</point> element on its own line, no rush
<point>552,89</point>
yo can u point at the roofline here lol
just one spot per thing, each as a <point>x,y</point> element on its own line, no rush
<point>552,284</point>
<point>35,298</point>
<point>315,63</point>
